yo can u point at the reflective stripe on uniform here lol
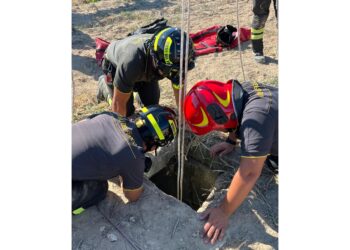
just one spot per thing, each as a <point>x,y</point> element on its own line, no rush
<point>173,127</point>
<point>167,46</point>
<point>154,123</point>
<point>254,157</point>
<point>155,46</point>
<point>256,33</point>
<point>176,86</point>
<point>109,101</point>
<point>78,211</point>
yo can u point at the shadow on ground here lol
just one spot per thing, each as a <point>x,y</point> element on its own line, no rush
<point>81,40</point>
<point>270,60</point>
<point>86,65</point>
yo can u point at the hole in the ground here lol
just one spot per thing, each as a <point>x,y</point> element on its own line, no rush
<point>198,181</point>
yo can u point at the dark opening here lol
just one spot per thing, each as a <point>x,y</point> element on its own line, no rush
<point>198,181</point>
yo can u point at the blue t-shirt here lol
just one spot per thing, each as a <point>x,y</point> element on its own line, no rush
<point>101,151</point>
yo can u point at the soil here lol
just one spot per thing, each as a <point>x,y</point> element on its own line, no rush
<point>255,223</point>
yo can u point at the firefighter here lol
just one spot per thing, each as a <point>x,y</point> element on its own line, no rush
<point>137,63</point>
<point>249,112</point>
<point>261,9</point>
<point>107,145</point>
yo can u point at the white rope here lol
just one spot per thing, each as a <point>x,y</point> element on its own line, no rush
<point>239,40</point>
<point>182,93</point>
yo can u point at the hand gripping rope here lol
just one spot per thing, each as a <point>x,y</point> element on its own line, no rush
<point>182,92</point>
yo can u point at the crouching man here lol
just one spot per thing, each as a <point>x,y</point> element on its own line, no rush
<point>106,145</point>
<point>248,111</point>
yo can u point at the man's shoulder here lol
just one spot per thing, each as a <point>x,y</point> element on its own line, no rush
<point>135,42</point>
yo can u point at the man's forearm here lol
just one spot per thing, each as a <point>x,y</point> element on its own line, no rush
<point>238,191</point>
<point>119,102</point>
<point>242,183</point>
<point>118,107</point>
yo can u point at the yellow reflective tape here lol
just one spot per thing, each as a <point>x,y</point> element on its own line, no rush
<point>78,211</point>
<point>256,37</point>
<point>139,123</point>
<point>173,127</point>
<point>154,124</point>
<point>257,31</point>
<point>176,86</point>
<point>109,101</point>
<point>224,102</point>
<point>205,120</point>
<point>167,46</point>
<point>155,46</point>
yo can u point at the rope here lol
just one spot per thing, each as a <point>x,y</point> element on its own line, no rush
<point>239,40</point>
<point>182,93</point>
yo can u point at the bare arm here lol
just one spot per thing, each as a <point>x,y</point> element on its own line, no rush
<point>119,101</point>
<point>223,148</point>
<point>241,184</point>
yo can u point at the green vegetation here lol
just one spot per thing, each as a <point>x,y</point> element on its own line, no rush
<point>91,1</point>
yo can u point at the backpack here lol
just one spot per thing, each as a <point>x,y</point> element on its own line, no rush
<point>152,28</point>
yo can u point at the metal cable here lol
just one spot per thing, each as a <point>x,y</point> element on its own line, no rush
<point>239,39</point>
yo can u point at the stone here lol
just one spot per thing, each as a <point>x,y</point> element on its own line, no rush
<point>112,237</point>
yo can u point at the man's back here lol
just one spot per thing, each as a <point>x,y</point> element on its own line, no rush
<point>101,150</point>
<point>129,57</point>
<point>259,126</point>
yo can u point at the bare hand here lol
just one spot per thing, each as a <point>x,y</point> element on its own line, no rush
<point>221,148</point>
<point>216,225</point>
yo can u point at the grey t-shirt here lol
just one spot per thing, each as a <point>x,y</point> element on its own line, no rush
<point>129,57</point>
<point>101,151</point>
<point>259,125</point>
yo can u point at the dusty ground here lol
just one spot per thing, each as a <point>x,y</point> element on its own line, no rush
<point>254,226</point>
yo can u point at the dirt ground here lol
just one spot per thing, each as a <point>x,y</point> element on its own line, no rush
<point>110,20</point>
<point>254,225</point>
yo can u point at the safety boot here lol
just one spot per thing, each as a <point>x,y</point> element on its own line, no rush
<point>259,58</point>
<point>86,194</point>
<point>105,91</point>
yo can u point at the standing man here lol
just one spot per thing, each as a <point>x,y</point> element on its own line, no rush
<point>248,111</point>
<point>137,63</point>
<point>107,145</point>
<point>261,9</point>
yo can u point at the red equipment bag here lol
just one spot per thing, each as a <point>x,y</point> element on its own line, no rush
<point>101,46</point>
<point>206,40</point>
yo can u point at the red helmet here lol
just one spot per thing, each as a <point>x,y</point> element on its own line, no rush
<point>209,106</point>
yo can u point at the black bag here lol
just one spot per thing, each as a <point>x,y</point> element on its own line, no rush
<point>151,28</point>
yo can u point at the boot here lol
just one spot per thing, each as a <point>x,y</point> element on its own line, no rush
<point>105,91</point>
<point>86,194</point>
<point>258,48</point>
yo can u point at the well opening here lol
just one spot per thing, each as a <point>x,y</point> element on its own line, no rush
<point>198,181</point>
